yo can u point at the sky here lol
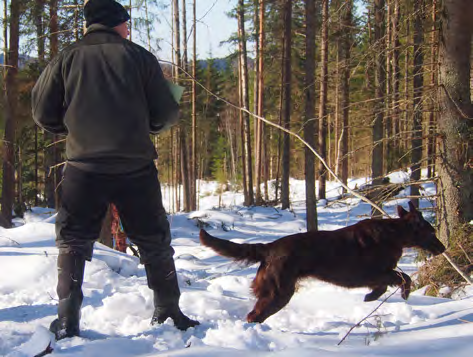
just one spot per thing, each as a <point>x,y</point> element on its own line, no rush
<point>213,27</point>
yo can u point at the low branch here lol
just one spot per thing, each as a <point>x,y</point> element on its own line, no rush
<point>365,318</point>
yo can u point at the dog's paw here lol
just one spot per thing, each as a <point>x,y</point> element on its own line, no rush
<point>405,293</point>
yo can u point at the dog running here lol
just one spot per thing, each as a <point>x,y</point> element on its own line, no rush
<point>362,255</point>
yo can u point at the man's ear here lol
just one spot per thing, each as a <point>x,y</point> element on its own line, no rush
<point>401,212</point>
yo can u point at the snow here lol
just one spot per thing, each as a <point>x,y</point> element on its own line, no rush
<point>118,304</point>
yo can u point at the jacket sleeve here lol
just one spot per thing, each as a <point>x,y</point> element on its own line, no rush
<point>47,99</point>
<point>163,109</point>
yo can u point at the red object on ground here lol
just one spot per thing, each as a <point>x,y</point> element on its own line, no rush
<point>117,231</point>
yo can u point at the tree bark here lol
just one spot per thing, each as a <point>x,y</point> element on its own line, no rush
<point>193,163</point>
<point>433,82</point>
<point>323,99</point>
<point>455,126</point>
<point>11,97</point>
<point>249,199</point>
<point>286,89</point>
<point>261,171</point>
<point>259,25</point>
<point>416,142</point>
<point>396,75</point>
<point>380,84</point>
<point>345,88</point>
<point>309,127</point>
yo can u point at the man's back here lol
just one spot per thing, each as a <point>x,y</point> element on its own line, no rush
<point>107,94</point>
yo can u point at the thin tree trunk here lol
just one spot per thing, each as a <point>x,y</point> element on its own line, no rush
<point>264,148</point>
<point>259,23</point>
<point>242,130</point>
<point>345,89</point>
<point>455,126</point>
<point>388,146</point>
<point>10,95</point>
<point>309,127</point>
<point>186,180</point>
<point>433,83</point>
<point>405,123</point>
<point>194,112</point>
<point>416,143</point>
<point>286,165</point>
<point>148,27</point>
<point>323,99</point>
<point>380,85</point>
<point>396,75</point>
<point>39,23</point>
<point>249,200</point>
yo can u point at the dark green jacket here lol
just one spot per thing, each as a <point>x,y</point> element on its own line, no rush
<point>106,94</point>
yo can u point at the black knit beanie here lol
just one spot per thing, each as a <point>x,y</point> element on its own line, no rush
<point>106,12</point>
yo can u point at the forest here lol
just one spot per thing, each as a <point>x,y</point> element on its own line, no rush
<point>316,90</point>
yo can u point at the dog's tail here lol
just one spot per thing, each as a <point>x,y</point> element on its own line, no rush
<point>247,253</point>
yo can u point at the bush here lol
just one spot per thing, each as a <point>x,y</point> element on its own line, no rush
<point>438,273</point>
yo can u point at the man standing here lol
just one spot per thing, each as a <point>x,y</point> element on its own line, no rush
<point>107,94</point>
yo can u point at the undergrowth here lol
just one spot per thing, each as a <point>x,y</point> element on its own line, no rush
<point>438,273</point>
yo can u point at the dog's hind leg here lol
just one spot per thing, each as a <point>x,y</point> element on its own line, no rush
<point>376,293</point>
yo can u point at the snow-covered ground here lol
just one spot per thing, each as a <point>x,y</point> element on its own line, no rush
<point>118,304</point>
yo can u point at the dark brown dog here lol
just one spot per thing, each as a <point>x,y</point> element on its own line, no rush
<point>362,255</point>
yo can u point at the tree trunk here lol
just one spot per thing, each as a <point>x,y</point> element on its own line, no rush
<point>405,122</point>
<point>10,95</point>
<point>345,89</point>
<point>416,142</point>
<point>39,23</point>
<point>396,75</point>
<point>193,163</point>
<point>455,126</point>
<point>433,83</point>
<point>309,127</point>
<point>52,175</point>
<point>286,89</point>
<point>380,85</point>
<point>242,130</point>
<point>259,25</point>
<point>186,179</point>
<point>249,200</point>
<point>323,99</point>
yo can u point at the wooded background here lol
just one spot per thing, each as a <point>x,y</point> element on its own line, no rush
<point>373,86</point>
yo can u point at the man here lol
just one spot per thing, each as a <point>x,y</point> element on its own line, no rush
<point>107,94</point>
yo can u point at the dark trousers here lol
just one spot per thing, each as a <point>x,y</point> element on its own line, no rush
<point>137,196</point>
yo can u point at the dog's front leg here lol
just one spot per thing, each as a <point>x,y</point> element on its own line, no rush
<point>376,293</point>
<point>405,284</point>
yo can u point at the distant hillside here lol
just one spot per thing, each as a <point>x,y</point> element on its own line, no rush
<point>220,63</point>
<point>23,60</point>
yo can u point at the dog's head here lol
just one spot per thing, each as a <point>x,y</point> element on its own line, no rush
<point>422,233</point>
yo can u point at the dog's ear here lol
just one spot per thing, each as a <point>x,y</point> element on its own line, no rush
<point>412,208</point>
<point>401,212</point>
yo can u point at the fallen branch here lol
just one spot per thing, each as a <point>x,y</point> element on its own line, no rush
<point>365,318</point>
<point>456,267</point>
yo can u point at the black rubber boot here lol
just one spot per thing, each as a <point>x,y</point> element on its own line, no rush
<point>69,290</point>
<point>162,279</point>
